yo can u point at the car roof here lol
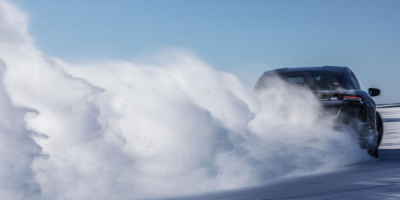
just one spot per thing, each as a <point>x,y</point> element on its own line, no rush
<point>338,69</point>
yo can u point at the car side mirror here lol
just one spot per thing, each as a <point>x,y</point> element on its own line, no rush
<point>373,92</point>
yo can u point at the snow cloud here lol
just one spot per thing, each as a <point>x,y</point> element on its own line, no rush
<point>123,130</point>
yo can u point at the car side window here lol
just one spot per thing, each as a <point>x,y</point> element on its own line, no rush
<point>355,81</point>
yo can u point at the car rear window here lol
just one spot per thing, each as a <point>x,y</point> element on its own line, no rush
<point>316,80</point>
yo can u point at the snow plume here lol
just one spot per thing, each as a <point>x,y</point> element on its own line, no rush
<point>123,130</point>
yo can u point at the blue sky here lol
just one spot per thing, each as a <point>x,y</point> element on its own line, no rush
<point>241,37</point>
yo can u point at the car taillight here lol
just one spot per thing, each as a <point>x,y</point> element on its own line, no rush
<point>353,98</point>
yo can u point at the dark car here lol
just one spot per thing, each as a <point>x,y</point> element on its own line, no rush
<point>339,92</point>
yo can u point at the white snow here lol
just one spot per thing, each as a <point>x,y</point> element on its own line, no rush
<point>125,130</point>
<point>378,179</point>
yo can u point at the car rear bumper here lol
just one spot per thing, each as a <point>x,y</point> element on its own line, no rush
<point>347,113</point>
<point>351,116</point>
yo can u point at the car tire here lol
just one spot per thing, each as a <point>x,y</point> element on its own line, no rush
<point>379,128</point>
<point>373,152</point>
<point>376,153</point>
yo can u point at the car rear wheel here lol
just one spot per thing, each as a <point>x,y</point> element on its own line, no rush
<point>374,153</point>
<point>379,128</point>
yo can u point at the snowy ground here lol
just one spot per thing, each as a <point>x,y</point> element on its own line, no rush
<point>378,179</point>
